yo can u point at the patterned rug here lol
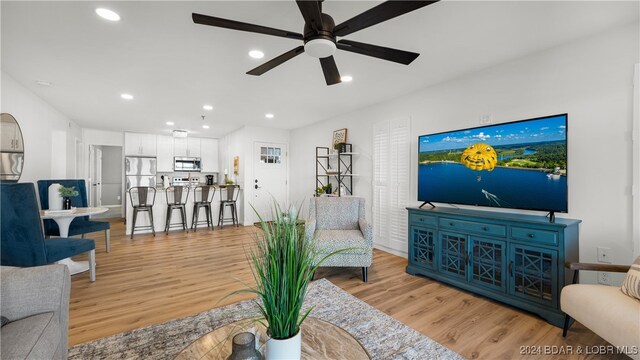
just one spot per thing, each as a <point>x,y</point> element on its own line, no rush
<point>381,335</point>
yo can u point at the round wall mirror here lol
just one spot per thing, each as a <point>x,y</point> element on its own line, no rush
<point>11,149</point>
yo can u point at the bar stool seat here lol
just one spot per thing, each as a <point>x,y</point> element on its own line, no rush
<point>142,200</point>
<point>202,198</point>
<point>229,201</point>
<point>177,197</point>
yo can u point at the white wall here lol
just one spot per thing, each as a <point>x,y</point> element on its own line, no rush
<point>39,123</point>
<point>240,143</point>
<point>590,79</point>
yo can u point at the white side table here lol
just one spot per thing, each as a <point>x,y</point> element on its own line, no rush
<point>64,221</point>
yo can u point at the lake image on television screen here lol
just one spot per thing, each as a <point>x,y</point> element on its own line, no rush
<point>513,165</point>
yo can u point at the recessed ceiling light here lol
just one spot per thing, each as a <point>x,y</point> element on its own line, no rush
<point>108,14</point>
<point>205,126</point>
<point>170,123</point>
<point>346,78</point>
<point>269,116</point>
<point>43,83</point>
<point>207,107</point>
<point>256,54</point>
<point>126,96</point>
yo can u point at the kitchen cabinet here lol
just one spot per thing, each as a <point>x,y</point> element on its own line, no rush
<point>209,155</point>
<point>186,147</point>
<point>164,161</point>
<point>136,144</point>
<point>513,258</point>
<point>11,140</point>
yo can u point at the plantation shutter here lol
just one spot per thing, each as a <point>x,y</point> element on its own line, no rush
<point>391,183</point>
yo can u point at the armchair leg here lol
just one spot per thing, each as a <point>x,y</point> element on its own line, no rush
<point>107,239</point>
<point>92,265</point>
<point>567,324</point>
<point>365,274</point>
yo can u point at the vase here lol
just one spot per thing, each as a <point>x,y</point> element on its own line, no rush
<point>66,203</point>
<point>289,349</point>
<point>244,347</point>
<point>55,200</point>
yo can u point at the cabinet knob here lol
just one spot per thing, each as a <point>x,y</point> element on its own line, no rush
<point>450,224</point>
<point>532,235</point>
<point>485,228</point>
<point>421,219</point>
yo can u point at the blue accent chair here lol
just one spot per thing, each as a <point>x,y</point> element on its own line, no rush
<point>22,242</point>
<point>80,225</point>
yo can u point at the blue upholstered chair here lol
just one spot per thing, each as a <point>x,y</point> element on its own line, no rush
<point>22,242</point>
<point>80,225</point>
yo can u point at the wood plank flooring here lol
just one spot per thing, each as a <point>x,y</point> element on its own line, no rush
<point>149,280</point>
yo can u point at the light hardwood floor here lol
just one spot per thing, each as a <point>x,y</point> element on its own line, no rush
<point>149,280</point>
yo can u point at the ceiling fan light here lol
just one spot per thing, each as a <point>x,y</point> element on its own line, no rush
<point>320,48</point>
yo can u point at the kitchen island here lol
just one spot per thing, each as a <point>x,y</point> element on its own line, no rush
<point>160,211</point>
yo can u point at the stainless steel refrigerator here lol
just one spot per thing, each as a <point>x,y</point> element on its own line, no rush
<point>138,171</point>
<point>11,165</point>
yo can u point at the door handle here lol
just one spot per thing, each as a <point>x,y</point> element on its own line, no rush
<point>256,186</point>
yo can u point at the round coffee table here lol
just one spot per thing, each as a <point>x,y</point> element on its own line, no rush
<point>320,340</point>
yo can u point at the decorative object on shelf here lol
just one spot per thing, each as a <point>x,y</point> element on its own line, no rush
<point>228,181</point>
<point>236,165</point>
<point>55,200</point>
<point>339,137</point>
<point>67,193</point>
<point>244,347</point>
<point>282,279</point>
<point>322,190</point>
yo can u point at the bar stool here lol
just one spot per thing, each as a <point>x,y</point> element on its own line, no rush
<point>231,198</point>
<point>202,198</point>
<point>177,197</point>
<point>142,199</point>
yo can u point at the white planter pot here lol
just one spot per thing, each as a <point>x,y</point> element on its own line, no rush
<point>55,200</point>
<point>287,349</point>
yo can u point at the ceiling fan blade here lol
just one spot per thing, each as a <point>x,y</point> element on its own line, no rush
<point>399,56</point>
<point>276,61</point>
<point>311,13</point>
<point>383,12</point>
<point>237,25</point>
<point>330,70</point>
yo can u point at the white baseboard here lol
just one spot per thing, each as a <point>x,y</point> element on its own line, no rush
<point>391,251</point>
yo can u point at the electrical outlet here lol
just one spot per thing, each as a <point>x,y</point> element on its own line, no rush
<point>118,197</point>
<point>604,255</point>
<point>604,278</point>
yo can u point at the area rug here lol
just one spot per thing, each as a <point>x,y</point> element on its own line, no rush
<point>381,335</point>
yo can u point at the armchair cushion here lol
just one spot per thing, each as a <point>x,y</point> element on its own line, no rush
<point>34,337</point>
<point>631,284</point>
<point>328,241</point>
<point>80,226</point>
<point>338,213</point>
<point>62,248</point>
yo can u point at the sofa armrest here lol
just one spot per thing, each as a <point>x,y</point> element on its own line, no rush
<point>367,231</point>
<point>309,229</point>
<point>35,290</point>
<point>598,267</point>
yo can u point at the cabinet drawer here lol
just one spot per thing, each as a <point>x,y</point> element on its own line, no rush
<point>418,219</point>
<point>480,228</point>
<point>534,235</point>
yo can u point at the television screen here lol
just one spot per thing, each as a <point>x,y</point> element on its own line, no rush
<point>521,165</point>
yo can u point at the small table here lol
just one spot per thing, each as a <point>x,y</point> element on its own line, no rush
<point>320,340</point>
<point>64,221</point>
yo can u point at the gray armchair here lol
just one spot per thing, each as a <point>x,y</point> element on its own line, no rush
<point>36,302</point>
<point>337,223</point>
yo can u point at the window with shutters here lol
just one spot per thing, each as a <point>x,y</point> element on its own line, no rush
<point>391,183</point>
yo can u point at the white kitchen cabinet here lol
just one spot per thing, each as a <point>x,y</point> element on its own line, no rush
<point>209,155</point>
<point>11,137</point>
<point>164,161</point>
<point>136,144</point>
<point>186,147</point>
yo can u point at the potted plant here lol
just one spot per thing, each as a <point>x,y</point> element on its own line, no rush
<point>66,193</point>
<point>283,262</point>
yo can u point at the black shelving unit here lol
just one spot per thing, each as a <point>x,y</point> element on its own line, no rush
<point>335,169</point>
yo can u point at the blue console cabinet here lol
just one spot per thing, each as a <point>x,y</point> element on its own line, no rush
<point>513,258</point>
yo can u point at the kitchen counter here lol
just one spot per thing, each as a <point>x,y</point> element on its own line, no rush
<point>160,211</point>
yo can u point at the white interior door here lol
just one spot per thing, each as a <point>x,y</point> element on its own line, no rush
<point>98,177</point>
<point>270,177</point>
<point>95,175</point>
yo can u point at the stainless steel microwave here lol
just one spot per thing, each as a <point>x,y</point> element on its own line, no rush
<point>186,164</point>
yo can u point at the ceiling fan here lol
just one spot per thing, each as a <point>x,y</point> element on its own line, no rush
<point>320,34</point>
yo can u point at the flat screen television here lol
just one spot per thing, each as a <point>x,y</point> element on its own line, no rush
<point>516,165</point>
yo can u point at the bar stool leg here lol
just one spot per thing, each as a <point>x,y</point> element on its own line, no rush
<point>235,214</point>
<point>168,220</point>
<point>194,217</point>
<point>221,215</point>
<point>133,223</point>
<point>209,217</point>
<point>153,227</point>
<point>183,213</point>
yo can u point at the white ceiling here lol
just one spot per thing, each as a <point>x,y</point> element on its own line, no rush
<point>173,66</point>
